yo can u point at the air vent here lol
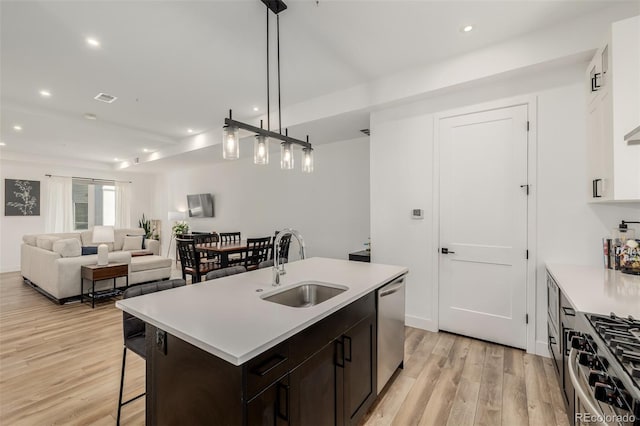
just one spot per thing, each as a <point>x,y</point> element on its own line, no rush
<point>366,132</point>
<point>103,97</point>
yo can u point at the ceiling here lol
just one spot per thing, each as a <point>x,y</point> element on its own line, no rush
<point>178,65</point>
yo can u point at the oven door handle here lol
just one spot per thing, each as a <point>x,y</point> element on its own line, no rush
<point>588,402</point>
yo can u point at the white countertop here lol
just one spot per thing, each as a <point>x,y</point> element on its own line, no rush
<point>597,290</point>
<point>227,318</point>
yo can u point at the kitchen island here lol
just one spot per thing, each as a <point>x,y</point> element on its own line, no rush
<point>218,353</point>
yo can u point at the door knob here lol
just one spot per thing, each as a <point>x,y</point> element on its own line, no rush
<point>445,250</point>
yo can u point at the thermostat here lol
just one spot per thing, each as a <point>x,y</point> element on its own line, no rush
<point>417,214</point>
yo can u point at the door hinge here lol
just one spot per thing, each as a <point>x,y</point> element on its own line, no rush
<point>526,319</point>
<point>527,254</point>
<point>527,126</point>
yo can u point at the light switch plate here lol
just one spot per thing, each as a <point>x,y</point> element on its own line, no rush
<point>417,214</point>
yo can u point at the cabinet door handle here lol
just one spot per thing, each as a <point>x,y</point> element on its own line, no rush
<point>595,85</point>
<point>552,340</point>
<point>568,311</point>
<point>347,339</point>
<point>283,415</point>
<point>340,353</point>
<point>596,193</point>
<point>271,363</point>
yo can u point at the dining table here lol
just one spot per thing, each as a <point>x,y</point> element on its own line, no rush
<point>223,250</point>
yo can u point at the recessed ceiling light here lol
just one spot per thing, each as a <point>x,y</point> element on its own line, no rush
<point>93,42</point>
<point>145,150</point>
<point>3,144</point>
<point>256,109</point>
<point>90,116</point>
<point>17,128</point>
<point>45,93</point>
<point>189,130</point>
<point>116,159</point>
<point>466,28</point>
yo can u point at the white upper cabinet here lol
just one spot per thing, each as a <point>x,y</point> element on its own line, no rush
<point>613,110</point>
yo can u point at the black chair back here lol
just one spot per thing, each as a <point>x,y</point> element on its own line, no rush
<point>257,251</point>
<point>190,260</point>
<point>285,242</point>
<point>269,263</point>
<point>230,237</point>
<point>225,272</point>
<point>133,326</point>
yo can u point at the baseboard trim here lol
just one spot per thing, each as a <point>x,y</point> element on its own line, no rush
<point>421,323</point>
<point>542,349</point>
<point>10,269</point>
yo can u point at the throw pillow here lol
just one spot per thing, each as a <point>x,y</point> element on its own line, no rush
<point>144,237</point>
<point>69,247</point>
<point>87,250</point>
<point>46,242</point>
<point>132,243</point>
<point>30,239</point>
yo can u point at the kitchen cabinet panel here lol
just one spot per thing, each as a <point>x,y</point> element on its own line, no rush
<point>612,81</point>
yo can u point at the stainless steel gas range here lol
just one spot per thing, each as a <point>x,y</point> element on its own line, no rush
<point>604,368</point>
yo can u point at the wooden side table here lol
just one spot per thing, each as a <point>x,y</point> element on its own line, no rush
<point>97,273</point>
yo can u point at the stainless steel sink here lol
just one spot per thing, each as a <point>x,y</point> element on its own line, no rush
<point>305,294</point>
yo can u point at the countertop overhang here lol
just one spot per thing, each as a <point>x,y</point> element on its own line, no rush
<point>598,291</point>
<point>228,318</point>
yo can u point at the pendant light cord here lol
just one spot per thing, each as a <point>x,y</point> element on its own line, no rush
<point>268,101</point>
<point>279,101</point>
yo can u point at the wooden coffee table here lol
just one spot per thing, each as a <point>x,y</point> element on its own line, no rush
<point>97,273</point>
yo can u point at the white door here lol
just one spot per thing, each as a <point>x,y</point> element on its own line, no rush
<point>483,224</point>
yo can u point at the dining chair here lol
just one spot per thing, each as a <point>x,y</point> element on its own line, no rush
<point>190,260</point>
<point>133,330</point>
<point>257,251</point>
<point>225,272</point>
<point>206,239</point>
<point>285,242</point>
<point>230,237</point>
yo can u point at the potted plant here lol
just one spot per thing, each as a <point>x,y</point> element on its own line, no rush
<point>181,227</point>
<point>145,224</point>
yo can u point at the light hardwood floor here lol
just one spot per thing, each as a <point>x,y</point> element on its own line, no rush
<point>61,365</point>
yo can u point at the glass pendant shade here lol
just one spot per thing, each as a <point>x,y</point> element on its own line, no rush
<point>230,143</point>
<point>307,160</point>
<point>261,150</point>
<point>286,156</point>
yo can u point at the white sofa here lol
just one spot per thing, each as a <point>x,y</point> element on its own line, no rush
<point>51,262</point>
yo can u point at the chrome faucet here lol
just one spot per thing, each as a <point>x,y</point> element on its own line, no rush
<point>277,268</point>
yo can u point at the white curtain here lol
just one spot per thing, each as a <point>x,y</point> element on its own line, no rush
<point>59,207</point>
<point>123,205</point>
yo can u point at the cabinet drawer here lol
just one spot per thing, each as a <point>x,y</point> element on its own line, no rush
<point>309,341</point>
<point>266,368</point>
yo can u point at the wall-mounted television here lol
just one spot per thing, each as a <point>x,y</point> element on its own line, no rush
<point>200,205</point>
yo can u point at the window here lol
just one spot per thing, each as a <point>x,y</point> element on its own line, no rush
<point>93,204</point>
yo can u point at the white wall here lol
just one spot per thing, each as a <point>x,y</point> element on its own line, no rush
<point>330,206</point>
<point>568,229</point>
<point>12,228</point>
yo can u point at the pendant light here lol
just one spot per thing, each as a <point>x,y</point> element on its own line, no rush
<point>231,140</point>
<point>261,150</point>
<point>286,156</point>
<point>307,160</point>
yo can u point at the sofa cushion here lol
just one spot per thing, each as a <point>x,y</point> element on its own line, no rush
<point>46,241</point>
<point>69,247</point>
<point>133,243</point>
<point>30,239</point>
<point>145,263</point>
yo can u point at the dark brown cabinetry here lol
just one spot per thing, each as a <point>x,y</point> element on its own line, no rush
<point>560,324</point>
<point>323,375</point>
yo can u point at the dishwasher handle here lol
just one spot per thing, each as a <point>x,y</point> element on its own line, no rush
<point>392,290</point>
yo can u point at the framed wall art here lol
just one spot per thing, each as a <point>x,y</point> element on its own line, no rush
<point>21,197</point>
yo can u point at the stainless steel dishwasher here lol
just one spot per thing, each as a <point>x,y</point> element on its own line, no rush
<point>390,329</point>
